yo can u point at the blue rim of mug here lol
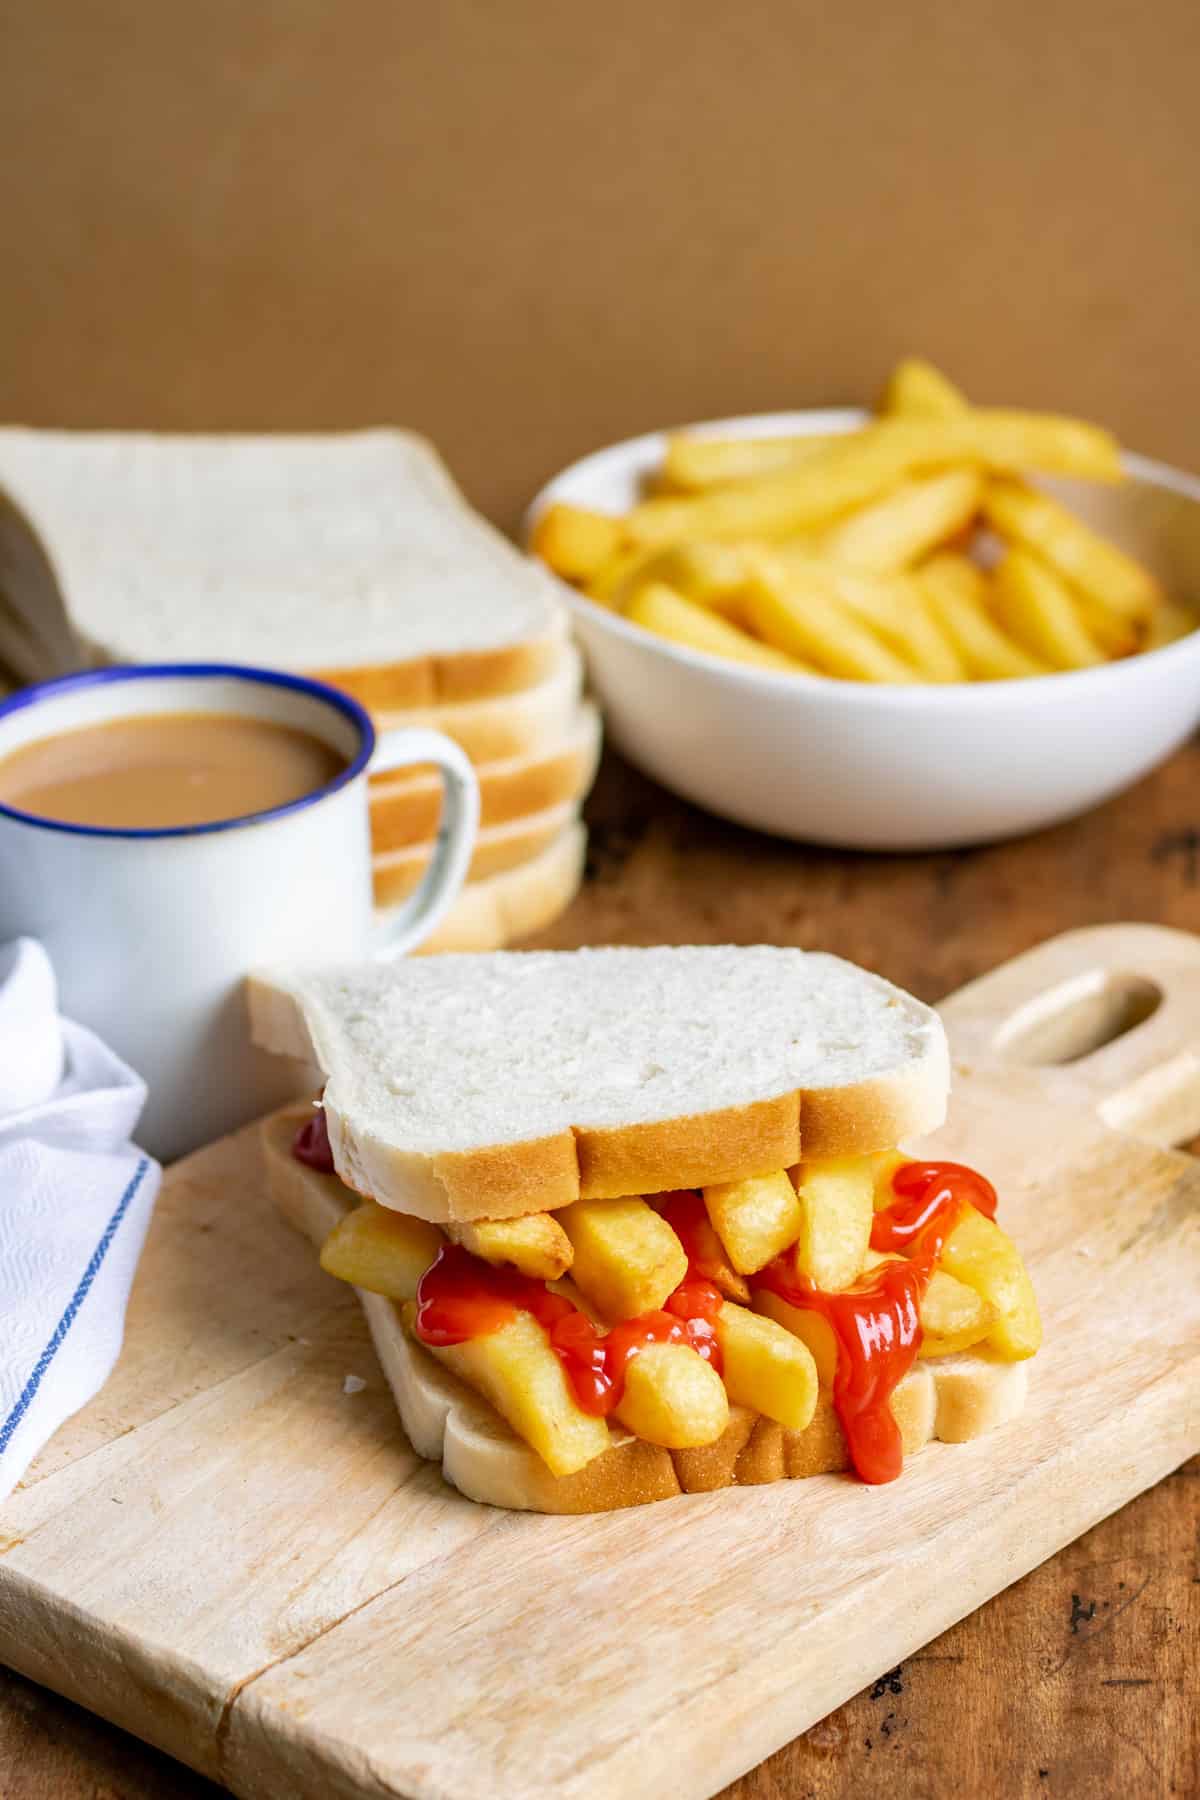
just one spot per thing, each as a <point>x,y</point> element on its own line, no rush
<point>277,678</point>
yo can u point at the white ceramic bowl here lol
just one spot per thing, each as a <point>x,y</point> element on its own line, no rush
<point>894,768</point>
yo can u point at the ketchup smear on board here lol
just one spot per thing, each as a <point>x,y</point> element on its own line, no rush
<point>876,1322</point>
<point>460,1297</point>
<point>311,1144</point>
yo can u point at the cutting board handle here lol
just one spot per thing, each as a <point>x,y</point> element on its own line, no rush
<point>1114,1010</point>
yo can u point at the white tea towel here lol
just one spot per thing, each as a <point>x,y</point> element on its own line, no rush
<point>75,1201</point>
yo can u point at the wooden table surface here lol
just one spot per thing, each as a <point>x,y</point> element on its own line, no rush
<point>1081,1679</point>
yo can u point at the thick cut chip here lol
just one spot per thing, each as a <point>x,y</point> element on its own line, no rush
<point>958,594</point>
<point>575,542</point>
<point>915,387</point>
<point>767,1367</point>
<point>1115,636</point>
<point>617,578</point>
<point>383,1251</point>
<point>809,494</point>
<point>898,608</point>
<point>983,1256</point>
<point>627,1258</point>
<point>755,1219</point>
<point>1036,607</point>
<point>692,463</point>
<point>516,1369</point>
<point>907,524</point>
<point>709,574</point>
<point>1088,561</point>
<point>659,609</point>
<point>800,613</point>
<point>813,1330</point>
<point>953,1316</point>
<point>884,1164</point>
<point>1005,439</point>
<point>674,1398</point>
<point>536,1243</point>
<point>837,1203</point>
<point>858,468</point>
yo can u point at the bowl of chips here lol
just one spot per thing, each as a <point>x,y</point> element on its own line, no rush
<point>933,626</point>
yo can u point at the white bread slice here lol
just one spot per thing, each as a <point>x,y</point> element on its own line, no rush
<point>351,553</point>
<point>466,1087</point>
<point>445,678</point>
<point>953,1398</point>
<point>406,805</point>
<point>488,915</point>
<point>497,848</point>
<point>510,724</point>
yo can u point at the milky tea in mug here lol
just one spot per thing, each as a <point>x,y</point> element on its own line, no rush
<point>164,830</point>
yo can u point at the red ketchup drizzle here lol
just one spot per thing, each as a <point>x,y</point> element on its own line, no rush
<point>311,1143</point>
<point>926,1191</point>
<point>460,1297</point>
<point>876,1321</point>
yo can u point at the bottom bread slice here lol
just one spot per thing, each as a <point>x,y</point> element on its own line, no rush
<point>489,914</point>
<point>953,1398</point>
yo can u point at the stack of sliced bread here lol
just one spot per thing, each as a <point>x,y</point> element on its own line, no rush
<point>350,556</point>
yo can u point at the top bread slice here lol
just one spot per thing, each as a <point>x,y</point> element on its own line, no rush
<point>467,1087</point>
<point>349,554</point>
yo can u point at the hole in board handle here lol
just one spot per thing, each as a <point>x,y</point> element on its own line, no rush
<point>1077,1017</point>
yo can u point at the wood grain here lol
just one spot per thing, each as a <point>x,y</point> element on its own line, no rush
<point>1083,1670</point>
<point>1023,1679</point>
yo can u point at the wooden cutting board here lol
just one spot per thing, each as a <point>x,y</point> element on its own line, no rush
<point>234,1557</point>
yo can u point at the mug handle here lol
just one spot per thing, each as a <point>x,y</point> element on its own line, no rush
<point>455,839</point>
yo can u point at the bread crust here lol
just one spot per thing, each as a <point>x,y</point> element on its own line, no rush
<point>406,804</point>
<point>956,1398</point>
<point>691,1150</point>
<point>503,725</point>
<point>874,1115</point>
<point>541,1174</point>
<point>464,675</point>
<point>498,848</point>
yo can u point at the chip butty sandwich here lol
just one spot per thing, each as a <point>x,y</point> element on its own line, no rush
<point>628,1223</point>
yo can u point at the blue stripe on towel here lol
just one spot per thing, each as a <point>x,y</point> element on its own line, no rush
<point>76,1301</point>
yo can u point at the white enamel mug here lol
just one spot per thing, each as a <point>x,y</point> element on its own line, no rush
<point>152,932</point>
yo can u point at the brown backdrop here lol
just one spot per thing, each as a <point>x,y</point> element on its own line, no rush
<point>531,226</point>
